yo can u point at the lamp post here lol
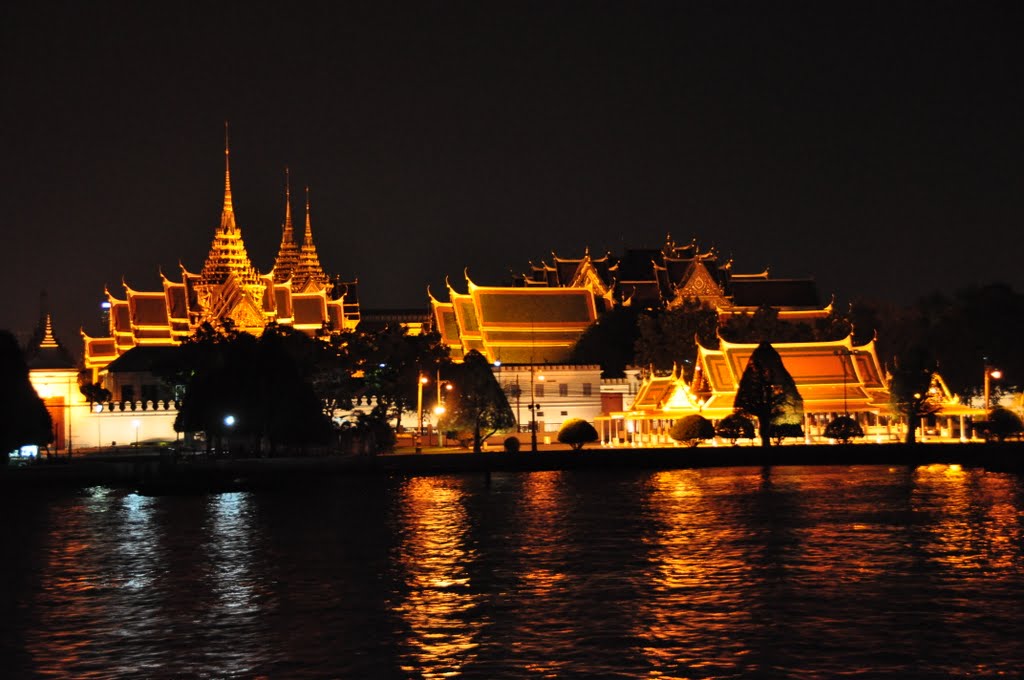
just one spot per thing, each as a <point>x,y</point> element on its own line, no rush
<point>439,408</point>
<point>991,373</point>
<point>97,408</point>
<point>533,413</point>
<point>533,408</point>
<point>136,424</point>
<point>844,352</point>
<point>419,411</point>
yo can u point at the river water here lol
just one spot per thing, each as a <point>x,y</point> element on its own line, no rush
<point>788,572</point>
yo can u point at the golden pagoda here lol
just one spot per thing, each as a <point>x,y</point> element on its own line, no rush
<point>229,290</point>
<point>288,253</point>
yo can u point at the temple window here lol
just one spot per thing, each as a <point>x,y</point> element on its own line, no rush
<point>586,389</point>
<point>563,390</point>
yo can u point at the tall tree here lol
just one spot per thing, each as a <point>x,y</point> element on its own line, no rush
<point>23,415</point>
<point>669,338</point>
<point>911,390</point>
<point>610,342</point>
<point>394,362</point>
<point>767,392</point>
<point>477,405</point>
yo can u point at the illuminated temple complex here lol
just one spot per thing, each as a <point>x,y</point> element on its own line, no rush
<point>295,292</point>
<point>542,314</point>
<point>537,320</point>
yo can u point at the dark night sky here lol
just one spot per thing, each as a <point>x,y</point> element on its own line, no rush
<point>874,146</point>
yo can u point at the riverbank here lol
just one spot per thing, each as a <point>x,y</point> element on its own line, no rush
<point>155,472</point>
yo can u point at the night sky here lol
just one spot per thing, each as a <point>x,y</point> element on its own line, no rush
<point>874,146</point>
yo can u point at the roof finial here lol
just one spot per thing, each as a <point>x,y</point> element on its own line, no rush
<point>287,205</point>
<point>308,238</point>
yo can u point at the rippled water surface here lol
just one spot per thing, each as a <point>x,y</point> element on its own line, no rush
<point>734,572</point>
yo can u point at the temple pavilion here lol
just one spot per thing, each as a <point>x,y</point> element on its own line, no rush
<point>295,292</point>
<point>539,318</point>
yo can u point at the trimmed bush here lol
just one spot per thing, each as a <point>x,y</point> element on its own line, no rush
<point>577,432</point>
<point>1001,424</point>
<point>511,445</point>
<point>843,429</point>
<point>783,430</point>
<point>735,426</point>
<point>692,429</point>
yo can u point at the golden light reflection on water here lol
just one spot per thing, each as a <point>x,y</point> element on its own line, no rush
<point>976,525</point>
<point>696,574</point>
<point>439,604</point>
<point>230,551</point>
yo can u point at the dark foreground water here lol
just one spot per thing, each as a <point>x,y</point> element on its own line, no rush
<point>735,572</point>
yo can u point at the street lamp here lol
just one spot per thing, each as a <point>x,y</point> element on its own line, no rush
<point>991,373</point>
<point>419,410</point>
<point>533,409</point>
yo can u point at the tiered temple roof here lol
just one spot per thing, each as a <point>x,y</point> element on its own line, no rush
<point>667,276</point>
<point>541,316</point>
<point>514,325</point>
<point>308,274</point>
<point>296,293</point>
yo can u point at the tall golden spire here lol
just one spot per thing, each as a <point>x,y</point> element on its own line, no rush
<point>309,269</point>
<point>228,256</point>
<point>288,254</point>
<point>227,216</point>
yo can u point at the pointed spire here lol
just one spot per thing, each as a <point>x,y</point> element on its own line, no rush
<point>288,254</point>
<point>227,217</point>
<point>288,206</point>
<point>228,256</point>
<point>309,270</point>
<point>48,339</point>
<point>307,241</point>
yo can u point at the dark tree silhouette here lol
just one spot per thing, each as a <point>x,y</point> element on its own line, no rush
<point>668,338</point>
<point>393,363</point>
<point>609,342</point>
<point>768,393</point>
<point>258,382</point>
<point>843,429</point>
<point>577,432</point>
<point>1001,423</point>
<point>24,419</point>
<point>912,392</point>
<point>477,405</point>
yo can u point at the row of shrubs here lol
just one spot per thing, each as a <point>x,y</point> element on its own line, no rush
<point>693,429</point>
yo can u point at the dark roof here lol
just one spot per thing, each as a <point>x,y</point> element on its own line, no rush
<point>141,359</point>
<point>636,264</point>
<point>774,292</point>
<point>49,357</point>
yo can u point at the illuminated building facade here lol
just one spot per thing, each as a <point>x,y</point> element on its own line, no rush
<point>295,292</point>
